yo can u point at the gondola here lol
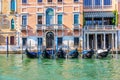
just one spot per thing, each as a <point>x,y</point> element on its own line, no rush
<point>48,54</point>
<point>103,53</point>
<point>31,54</point>
<point>87,53</point>
<point>61,53</point>
<point>73,54</point>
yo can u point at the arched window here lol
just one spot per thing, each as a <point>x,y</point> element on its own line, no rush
<point>12,24</point>
<point>13,5</point>
<point>49,16</point>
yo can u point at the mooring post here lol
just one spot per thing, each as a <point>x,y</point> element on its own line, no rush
<point>7,52</point>
<point>67,50</point>
<point>30,45</point>
<point>53,49</point>
<point>22,51</point>
<point>38,50</point>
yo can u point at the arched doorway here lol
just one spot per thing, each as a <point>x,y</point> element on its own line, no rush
<point>49,40</point>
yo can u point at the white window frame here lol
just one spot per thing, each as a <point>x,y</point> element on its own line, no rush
<point>14,23</point>
<point>37,17</point>
<point>15,5</point>
<point>26,19</point>
<point>39,2</point>
<point>76,1</point>
<point>78,18</point>
<point>54,17</point>
<point>25,3</point>
<point>59,2</point>
<point>57,17</point>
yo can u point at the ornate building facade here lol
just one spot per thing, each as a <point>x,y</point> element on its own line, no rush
<point>51,23</point>
<point>100,24</point>
<point>8,24</point>
<point>118,9</point>
<point>59,23</point>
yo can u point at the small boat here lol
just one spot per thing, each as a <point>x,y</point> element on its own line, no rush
<point>48,54</point>
<point>61,53</point>
<point>73,54</point>
<point>103,53</point>
<point>87,53</point>
<point>31,54</point>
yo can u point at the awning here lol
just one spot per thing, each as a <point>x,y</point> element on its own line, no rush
<point>98,14</point>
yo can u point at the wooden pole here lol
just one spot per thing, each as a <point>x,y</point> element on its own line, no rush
<point>22,51</point>
<point>67,50</point>
<point>39,48</point>
<point>30,45</point>
<point>7,52</point>
<point>53,49</point>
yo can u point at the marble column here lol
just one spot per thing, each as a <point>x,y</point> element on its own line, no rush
<point>116,45</point>
<point>84,41</point>
<point>87,41</point>
<point>112,41</point>
<point>104,41</point>
<point>96,45</point>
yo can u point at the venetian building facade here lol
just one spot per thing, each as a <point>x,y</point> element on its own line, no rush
<point>118,9</point>
<point>100,24</point>
<point>50,23</point>
<point>8,24</point>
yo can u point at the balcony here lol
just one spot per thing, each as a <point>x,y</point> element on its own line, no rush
<point>39,26</point>
<point>99,8</point>
<point>13,29</point>
<point>49,27</point>
<point>76,26</point>
<point>23,27</point>
<point>59,26</point>
<point>13,12</point>
<point>100,28</point>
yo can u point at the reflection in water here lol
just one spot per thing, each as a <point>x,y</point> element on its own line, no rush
<point>14,68</point>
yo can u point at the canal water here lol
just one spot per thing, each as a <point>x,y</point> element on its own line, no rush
<point>14,68</point>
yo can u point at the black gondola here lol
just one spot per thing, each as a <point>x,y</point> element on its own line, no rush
<point>87,53</point>
<point>73,54</point>
<point>31,54</point>
<point>103,53</point>
<point>48,54</point>
<point>61,53</point>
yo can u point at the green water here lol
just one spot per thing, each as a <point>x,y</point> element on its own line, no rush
<point>14,68</point>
